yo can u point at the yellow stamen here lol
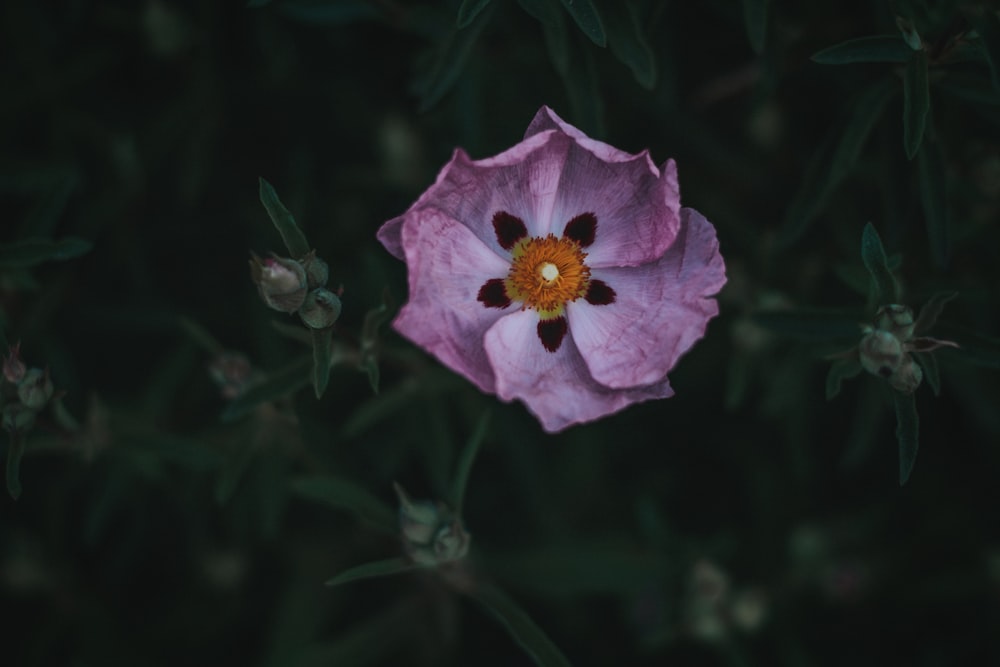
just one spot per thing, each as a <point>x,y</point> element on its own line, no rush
<point>546,273</point>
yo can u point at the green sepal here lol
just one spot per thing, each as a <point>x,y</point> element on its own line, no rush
<point>278,385</point>
<point>379,568</point>
<point>871,49</point>
<point>884,286</point>
<point>907,432</point>
<point>916,102</point>
<point>521,627</point>
<point>30,252</point>
<point>283,221</point>
<point>589,21</point>
<point>343,494</point>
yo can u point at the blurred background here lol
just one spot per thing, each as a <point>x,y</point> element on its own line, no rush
<point>748,520</point>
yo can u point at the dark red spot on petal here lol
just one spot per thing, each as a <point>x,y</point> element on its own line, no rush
<point>582,229</point>
<point>551,332</point>
<point>493,294</point>
<point>599,293</point>
<point>509,229</point>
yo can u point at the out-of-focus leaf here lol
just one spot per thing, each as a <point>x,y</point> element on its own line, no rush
<point>199,335</point>
<point>370,641</point>
<point>325,12</point>
<point>988,27</point>
<point>279,384</point>
<point>43,218</point>
<point>344,494</point>
<point>827,170</point>
<point>755,18</point>
<point>322,354</point>
<point>582,88</point>
<point>29,252</point>
<point>969,87</point>
<point>916,103</point>
<point>884,285</point>
<point>932,374</point>
<point>557,43</point>
<point>907,433</point>
<point>451,57</point>
<point>283,221</point>
<point>809,324</point>
<point>873,49</point>
<point>974,347</point>
<point>543,10</point>
<point>520,626</point>
<point>469,10</point>
<point>257,3</point>
<point>465,462</point>
<point>374,318</point>
<point>380,568</point>
<point>15,451</point>
<point>842,369</point>
<point>933,196</point>
<point>585,14</point>
<point>628,43</point>
<point>233,470</point>
<point>908,31</point>
<point>931,311</point>
<point>174,449</point>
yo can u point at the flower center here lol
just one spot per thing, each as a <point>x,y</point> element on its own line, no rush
<point>546,273</point>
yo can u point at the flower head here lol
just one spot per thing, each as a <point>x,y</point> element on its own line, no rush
<point>562,272</point>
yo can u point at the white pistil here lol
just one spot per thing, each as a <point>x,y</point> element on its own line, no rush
<point>549,271</point>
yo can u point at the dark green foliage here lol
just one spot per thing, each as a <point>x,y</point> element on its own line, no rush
<point>755,14</point>
<point>916,103</point>
<point>907,433</point>
<point>873,49</point>
<point>520,626</point>
<point>884,287</point>
<point>283,221</point>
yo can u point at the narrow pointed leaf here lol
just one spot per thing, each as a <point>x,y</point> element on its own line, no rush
<point>916,103</point>
<point>322,353</point>
<point>450,61</point>
<point>465,462</point>
<point>988,28</point>
<point>755,18</point>
<point>907,432</point>
<point>343,494</point>
<point>928,362</point>
<point>629,45</point>
<point>585,14</point>
<point>30,252</point>
<point>15,450</point>
<point>283,221</point>
<point>374,319</point>
<point>520,626</point>
<point>280,384</point>
<point>380,568</point>
<point>842,369</point>
<point>931,311</point>
<point>884,284</point>
<point>873,49</point>
<point>583,90</point>
<point>469,10</point>
<point>933,197</point>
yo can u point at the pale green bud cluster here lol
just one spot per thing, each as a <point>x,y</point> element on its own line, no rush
<point>297,286</point>
<point>432,534</point>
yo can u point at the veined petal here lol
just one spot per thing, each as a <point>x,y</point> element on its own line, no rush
<point>547,119</point>
<point>660,309</point>
<point>555,386</point>
<point>447,267</point>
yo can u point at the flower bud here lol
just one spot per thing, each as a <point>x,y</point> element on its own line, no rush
<point>431,533</point>
<point>907,377</point>
<point>231,371</point>
<point>280,281</point>
<point>896,319</point>
<point>321,309</point>
<point>881,353</point>
<point>35,389</point>
<point>13,368</point>
<point>317,272</point>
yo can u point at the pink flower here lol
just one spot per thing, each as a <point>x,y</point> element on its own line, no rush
<point>562,272</point>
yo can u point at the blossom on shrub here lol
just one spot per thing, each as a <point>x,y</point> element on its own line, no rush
<point>562,272</point>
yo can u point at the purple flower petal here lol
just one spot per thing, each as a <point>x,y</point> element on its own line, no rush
<point>661,309</point>
<point>447,267</point>
<point>555,386</point>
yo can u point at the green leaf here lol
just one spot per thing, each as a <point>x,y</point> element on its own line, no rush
<point>520,626</point>
<point>842,369</point>
<point>278,385</point>
<point>374,319</point>
<point>884,285</point>
<point>809,324</point>
<point>544,11</point>
<point>30,252</point>
<point>933,196</point>
<point>629,45</point>
<point>322,354</point>
<point>283,221</point>
<point>451,58</point>
<point>828,169</point>
<point>931,311</point>
<point>907,432</point>
<point>583,89</point>
<point>916,103</point>
<point>557,43</point>
<point>755,18</point>
<point>585,14</point>
<point>43,218</point>
<point>15,450</point>
<point>379,568</point>
<point>988,27</point>
<point>465,462</point>
<point>327,12</point>
<point>200,335</point>
<point>343,494</point>
<point>932,373</point>
<point>469,10</point>
<point>873,49</point>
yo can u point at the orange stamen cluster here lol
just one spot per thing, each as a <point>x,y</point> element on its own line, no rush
<point>546,273</point>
